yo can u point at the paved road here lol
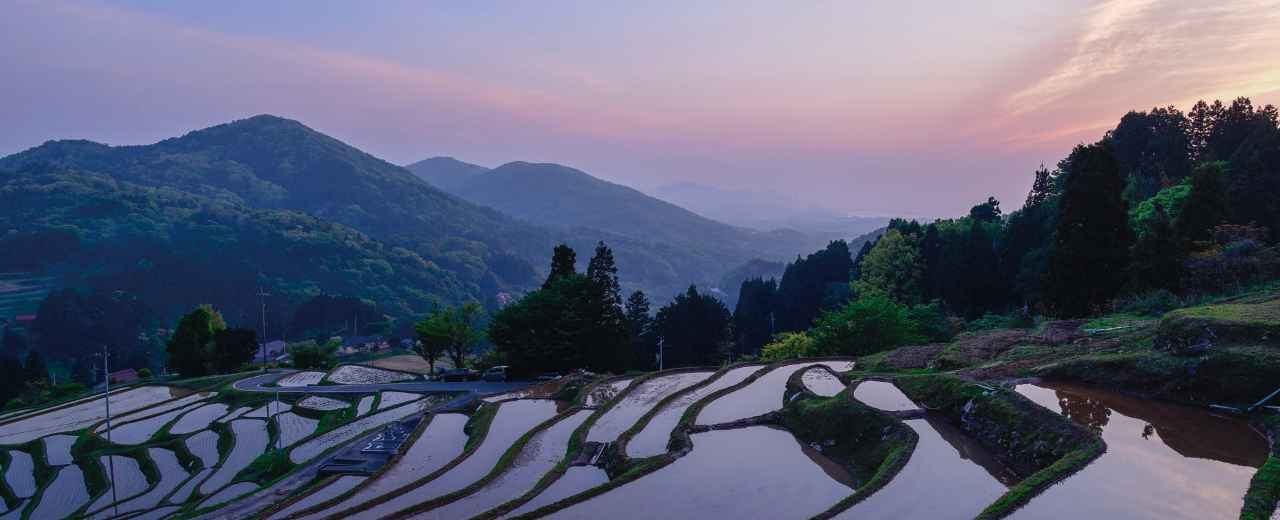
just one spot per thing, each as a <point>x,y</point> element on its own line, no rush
<point>257,384</point>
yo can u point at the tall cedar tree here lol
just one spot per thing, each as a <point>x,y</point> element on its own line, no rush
<point>813,284</point>
<point>1206,206</point>
<point>563,261</point>
<point>605,311</point>
<point>1090,256</point>
<point>753,319</point>
<point>694,329</point>
<point>640,328</point>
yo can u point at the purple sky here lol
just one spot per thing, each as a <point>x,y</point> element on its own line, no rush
<point>877,107</point>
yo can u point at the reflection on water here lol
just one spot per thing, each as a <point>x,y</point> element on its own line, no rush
<point>1163,460</point>
<point>948,476</point>
<point>756,472</point>
<point>882,396</point>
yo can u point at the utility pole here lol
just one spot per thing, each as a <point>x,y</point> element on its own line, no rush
<point>106,398</point>
<point>262,300</point>
<point>661,351</point>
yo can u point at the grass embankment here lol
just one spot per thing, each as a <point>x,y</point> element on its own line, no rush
<point>1039,445</point>
<point>871,445</point>
<point>1264,490</point>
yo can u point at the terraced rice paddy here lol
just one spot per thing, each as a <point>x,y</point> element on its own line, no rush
<point>652,440</point>
<point>228,493</point>
<point>128,479</point>
<point>604,392</point>
<point>957,487</point>
<point>204,445</point>
<point>822,382</point>
<point>20,474</point>
<point>251,441</point>
<point>757,472</point>
<point>141,430</point>
<point>759,397</point>
<point>267,410</point>
<point>322,404</point>
<point>172,475</point>
<point>391,399</point>
<point>575,480</point>
<point>639,401</point>
<point>362,375</point>
<point>324,493</point>
<point>513,419</point>
<point>235,414</point>
<point>346,433</point>
<point>1162,460</point>
<point>64,496</point>
<point>188,488</point>
<point>441,441</point>
<point>57,449</point>
<point>539,456</point>
<point>883,396</point>
<point>198,419</point>
<point>82,415</point>
<point>365,404</point>
<point>298,379</point>
<point>174,404</point>
<point>293,428</point>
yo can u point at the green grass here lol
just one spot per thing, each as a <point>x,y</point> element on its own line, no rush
<point>478,425</point>
<point>1022,492</point>
<point>267,467</point>
<point>1115,320</point>
<point>1266,313</point>
<point>1264,492</point>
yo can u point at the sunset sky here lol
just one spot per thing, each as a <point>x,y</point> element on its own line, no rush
<point>877,107</point>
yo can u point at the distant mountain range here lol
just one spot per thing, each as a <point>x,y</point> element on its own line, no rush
<point>268,202</point>
<point>766,211</point>
<point>669,245</point>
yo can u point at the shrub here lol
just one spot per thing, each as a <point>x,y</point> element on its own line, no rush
<point>990,321</point>
<point>931,322</point>
<point>869,324</point>
<point>1150,303</point>
<point>309,354</point>
<point>144,373</point>
<point>789,345</point>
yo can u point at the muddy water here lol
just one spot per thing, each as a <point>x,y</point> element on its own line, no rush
<point>1162,461</point>
<point>883,396</point>
<point>756,472</point>
<point>652,440</point>
<point>638,402</point>
<point>941,480</point>
<point>761,396</point>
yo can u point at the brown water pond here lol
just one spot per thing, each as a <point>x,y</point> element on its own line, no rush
<point>1163,460</point>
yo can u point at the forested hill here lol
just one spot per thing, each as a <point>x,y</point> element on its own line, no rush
<point>445,173</point>
<point>262,202</point>
<point>666,245</point>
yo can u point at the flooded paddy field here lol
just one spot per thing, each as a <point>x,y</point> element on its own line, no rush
<point>756,472</point>
<point>822,382</point>
<point>948,476</point>
<point>1162,461</point>
<point>883,396</point>
<point>441,442</point>
<point>538,457</point>
<point>652,439</point>
<point>512,420</point>
<point>759,397</point>
<point>639,401</point>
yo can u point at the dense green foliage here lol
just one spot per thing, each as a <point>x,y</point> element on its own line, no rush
<point>325,315</point>
<point>312,354</point>
<point>574,321</point>
<point>202,344</point>
<point>451,331</point>
<point>694,330</point>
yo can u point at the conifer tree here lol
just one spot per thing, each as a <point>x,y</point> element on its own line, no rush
<point>1090,255</point>
<point>562,264</point>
